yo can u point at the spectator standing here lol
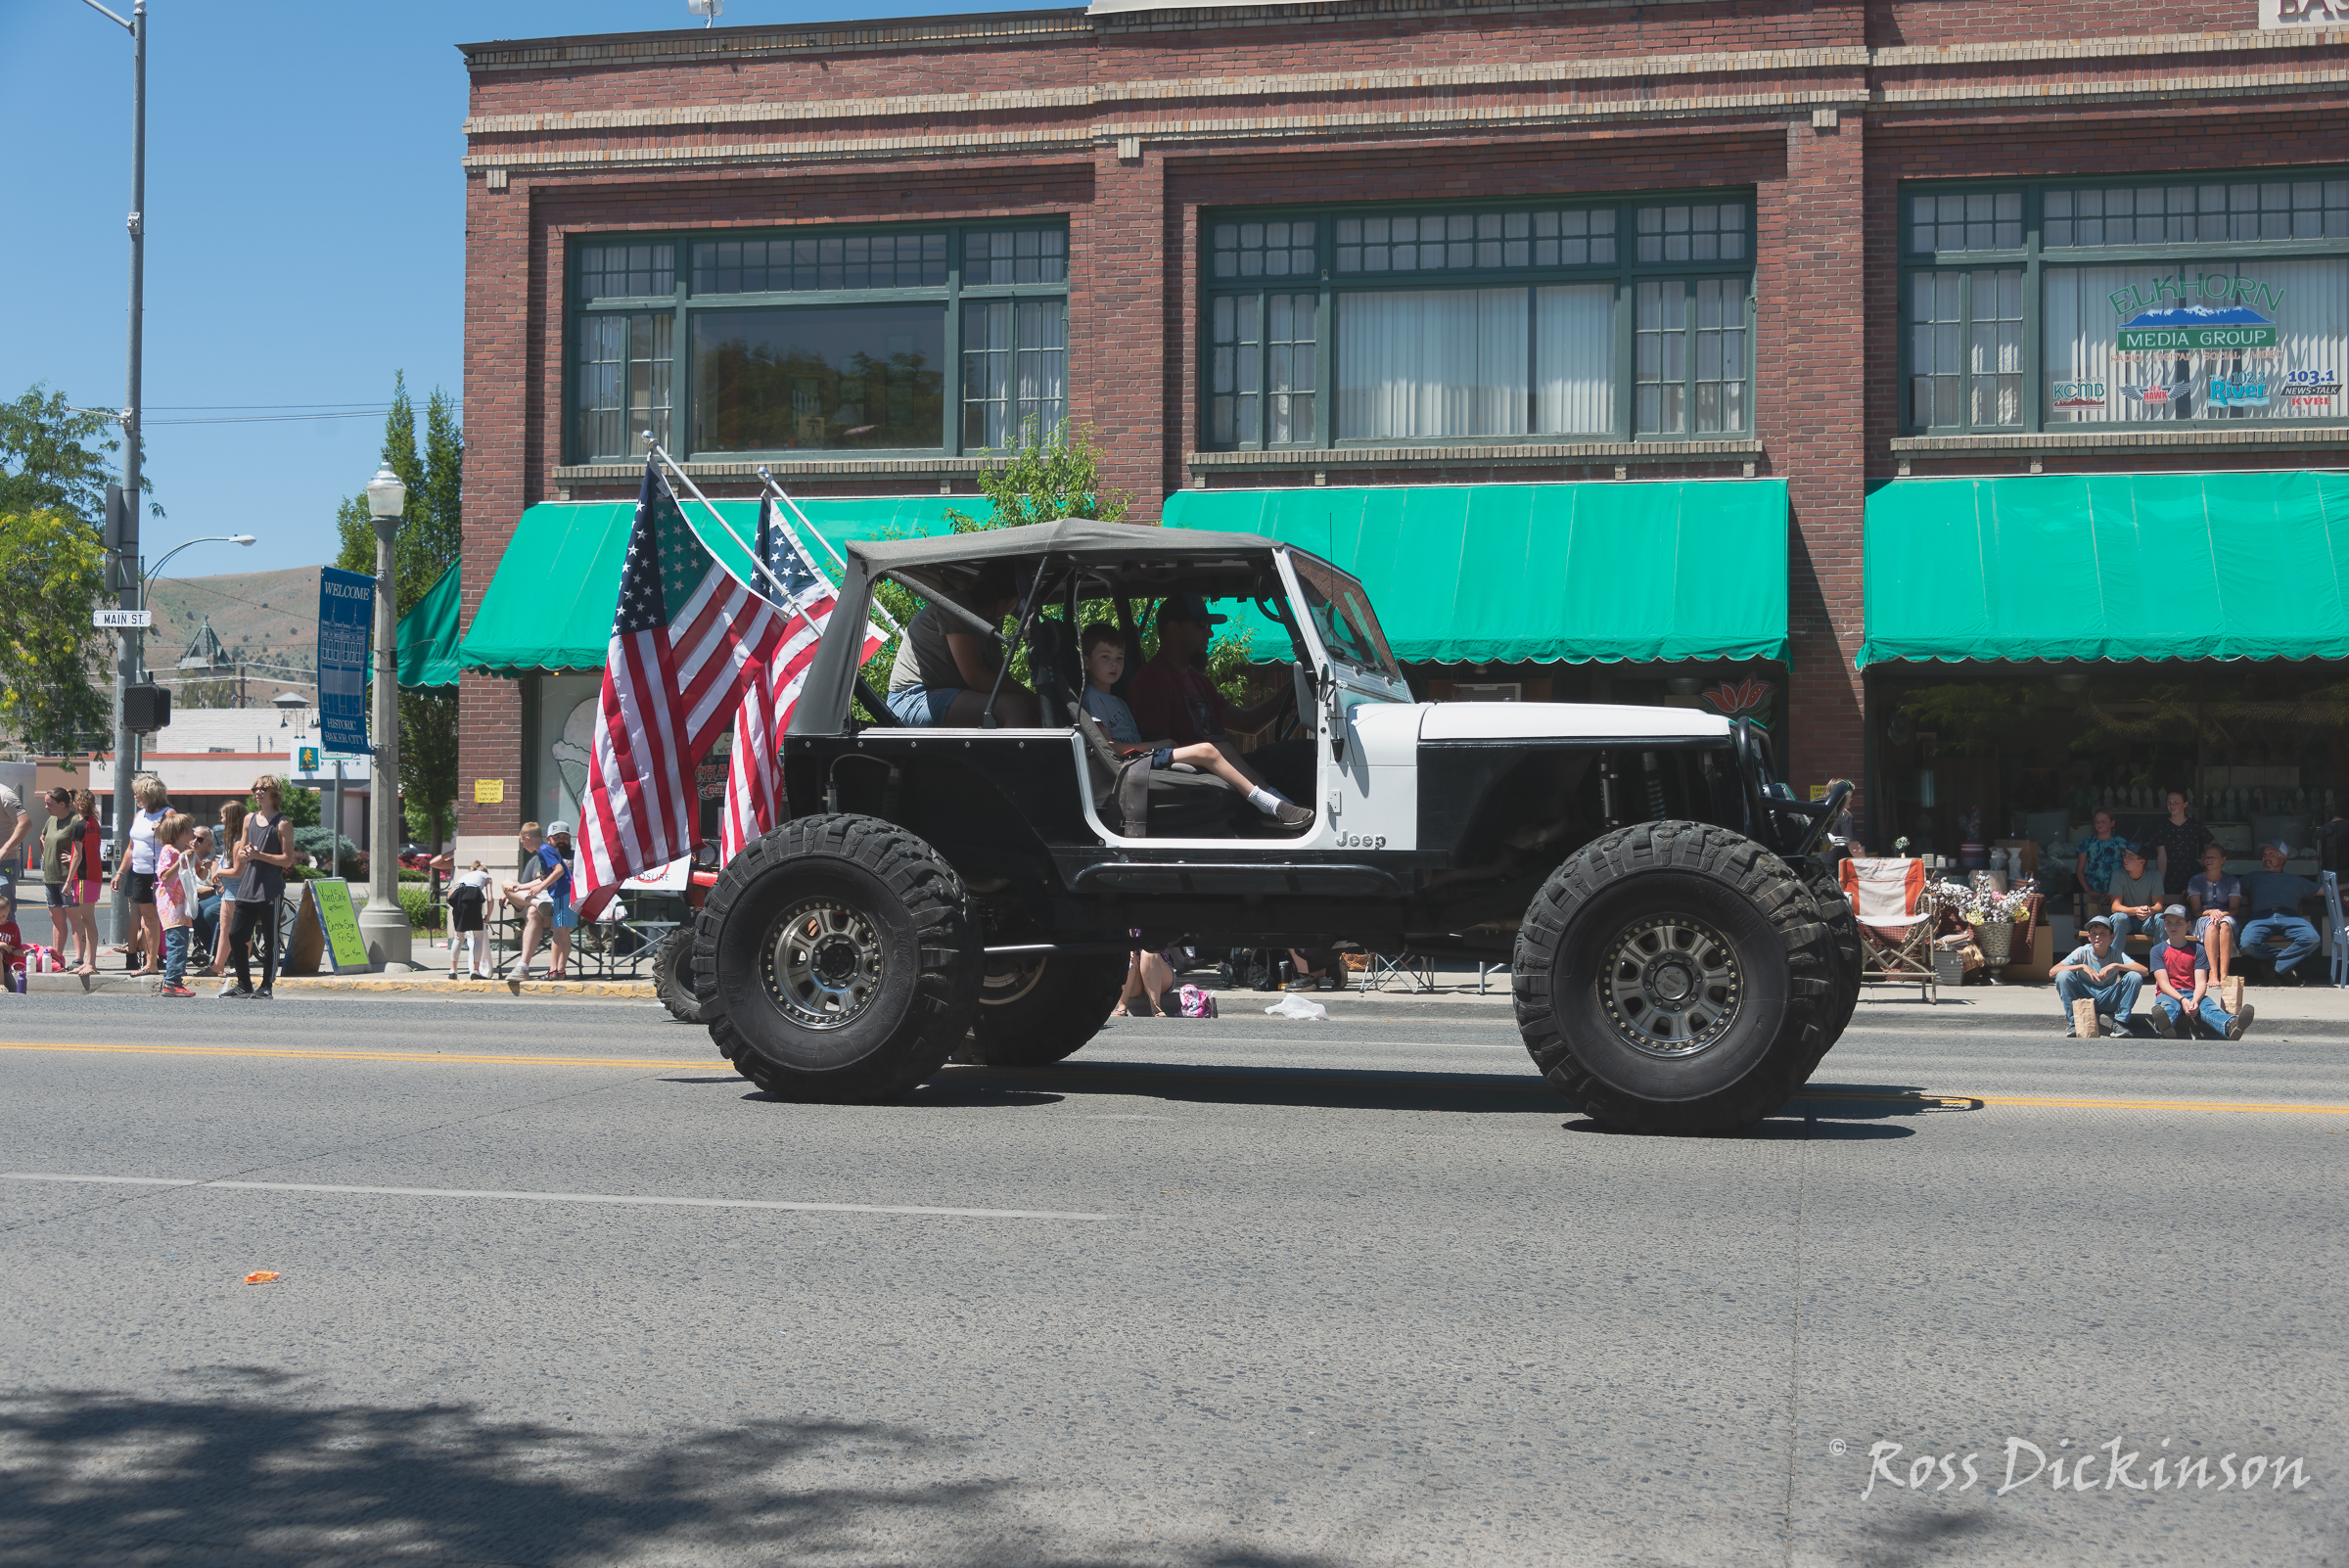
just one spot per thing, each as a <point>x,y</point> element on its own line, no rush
<point>135,872</point>
<point>2181,972</point>
<point>2137,898</point>
<point>468,904</point>
<point>265,853</point>
<point>2271,895</point>
<point>563,911</point>
<point>534,897</point>
<point>2099,971</point>
<point>85,875</point>
<point>57,859</point>
<point>2215,899</point>
<point>2098,858</point>
<point>2177,842</point>
<point>227,870</point>
<point>175,897</point>
<point>15,824</point>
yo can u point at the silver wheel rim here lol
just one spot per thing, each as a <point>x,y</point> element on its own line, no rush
<point>1671,985</point>
<point>823,964</point>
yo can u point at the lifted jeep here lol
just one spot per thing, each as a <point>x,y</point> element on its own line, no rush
<point>1680,959</point>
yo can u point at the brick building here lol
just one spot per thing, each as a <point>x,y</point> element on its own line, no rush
<point>1845,251</point>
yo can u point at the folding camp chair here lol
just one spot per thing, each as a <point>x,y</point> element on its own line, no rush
<point>1409,969</point>
<point>1896,923</point>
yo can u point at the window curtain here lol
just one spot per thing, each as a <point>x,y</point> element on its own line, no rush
<point>1574,352</point>
<point>1416,363</point>
<point>2082,352</point>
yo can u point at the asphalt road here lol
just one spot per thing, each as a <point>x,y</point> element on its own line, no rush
<point>1240,1292</point>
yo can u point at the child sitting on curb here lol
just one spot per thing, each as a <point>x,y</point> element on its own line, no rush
<point>2181,982</point>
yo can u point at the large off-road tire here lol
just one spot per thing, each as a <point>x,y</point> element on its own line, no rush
<point>1033,1012</point>
<point>842,958</point>
<point>673,977</point>
<point>1836,912</point>
<point>1675,976</point>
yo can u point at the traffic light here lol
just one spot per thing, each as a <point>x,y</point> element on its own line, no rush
<point>146,707</point>
<point>122,537</point>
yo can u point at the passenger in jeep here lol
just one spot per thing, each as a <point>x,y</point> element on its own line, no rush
<point>1104,661</point>
<point>1172,696</point>
<point>944,672</point>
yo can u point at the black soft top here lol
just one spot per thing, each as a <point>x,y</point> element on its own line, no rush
<point>1131,558</point>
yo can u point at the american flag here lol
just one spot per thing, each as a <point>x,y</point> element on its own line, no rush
<point>671,683</point>
<point>755,772</point>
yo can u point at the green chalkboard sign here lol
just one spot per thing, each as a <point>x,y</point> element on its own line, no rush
<point>345,953</point>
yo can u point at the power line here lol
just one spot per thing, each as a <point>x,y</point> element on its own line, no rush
<point>269,419</point>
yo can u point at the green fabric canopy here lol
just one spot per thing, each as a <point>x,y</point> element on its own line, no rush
<point>2251,565</point>
<point>550,607</point>
<point>1502,574</point>
<point>428,638</point>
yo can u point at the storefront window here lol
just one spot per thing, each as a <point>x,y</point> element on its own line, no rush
<point>1436,326</point>
<point>2250,323</point>
<point>819,341</point>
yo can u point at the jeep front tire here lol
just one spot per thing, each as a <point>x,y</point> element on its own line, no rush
<point>1675,976</point>
<point>842,960</point>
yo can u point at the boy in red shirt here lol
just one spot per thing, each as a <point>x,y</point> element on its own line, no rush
<point>2181,981</point>
<point>12,941</point>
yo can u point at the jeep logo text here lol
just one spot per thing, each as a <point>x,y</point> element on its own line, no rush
<point>1362,840</point>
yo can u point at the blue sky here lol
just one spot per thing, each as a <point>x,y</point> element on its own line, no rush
<point>305,229</point>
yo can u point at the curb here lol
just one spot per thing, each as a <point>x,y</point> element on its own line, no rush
<point>122,985</point>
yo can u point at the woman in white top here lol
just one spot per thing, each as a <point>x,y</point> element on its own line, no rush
<point>138,868</point>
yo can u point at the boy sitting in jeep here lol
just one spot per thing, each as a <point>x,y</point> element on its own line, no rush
<point>1104,663</point>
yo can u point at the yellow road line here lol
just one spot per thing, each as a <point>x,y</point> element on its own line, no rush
<point>1919,1099</point>
<point>374,1056</point>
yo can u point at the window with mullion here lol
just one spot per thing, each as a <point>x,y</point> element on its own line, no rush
<point>941,339</point>
<point>1965,349</point>
<point>1484,325</point>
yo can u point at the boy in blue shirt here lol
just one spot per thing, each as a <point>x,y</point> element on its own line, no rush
<point>1104,661</point>
<point>2181,982</point>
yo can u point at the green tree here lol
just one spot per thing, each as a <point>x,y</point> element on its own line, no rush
<point>52,575</point>
<point>430,538</point>
<point>57,458</point>
<point>1044,481</point>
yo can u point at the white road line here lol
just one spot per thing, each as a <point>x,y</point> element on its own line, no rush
<point>552,1197</point>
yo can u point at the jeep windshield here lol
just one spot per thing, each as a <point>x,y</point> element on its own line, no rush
<point>1343,618</point>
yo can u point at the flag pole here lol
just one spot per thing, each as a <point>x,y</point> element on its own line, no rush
<point>774,488</point>
<point>791,600</point>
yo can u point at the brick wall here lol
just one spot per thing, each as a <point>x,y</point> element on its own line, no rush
<point>1357,100</point>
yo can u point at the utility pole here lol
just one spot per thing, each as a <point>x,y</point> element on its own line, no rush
<point>130,579</point>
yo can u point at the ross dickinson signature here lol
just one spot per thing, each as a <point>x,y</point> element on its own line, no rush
<point>2098,1469</point>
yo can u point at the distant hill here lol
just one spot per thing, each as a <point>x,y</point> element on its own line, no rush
<point>267,617</point>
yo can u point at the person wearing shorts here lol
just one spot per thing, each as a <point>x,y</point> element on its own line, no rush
<point>2216,901</point>
<point>58,839</point>
<point>84,876</point>
<point>944,672</point>
<point>565,911</point>
<point>136,871</point>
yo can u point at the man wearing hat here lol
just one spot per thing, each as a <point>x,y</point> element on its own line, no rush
<point>1172,696</point>
<point>2102,973</point>
<point>2272,900</point>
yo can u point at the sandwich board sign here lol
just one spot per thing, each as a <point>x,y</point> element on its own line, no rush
<point>326,932</point>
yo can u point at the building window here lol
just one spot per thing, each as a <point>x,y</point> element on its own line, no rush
<point>820,340</point>
<point>1015,372</point>
<point>2142,303</point>
<point>1627,342</point>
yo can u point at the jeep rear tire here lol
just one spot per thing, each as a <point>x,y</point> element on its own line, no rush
<point>1675,976</point>
<point>673,977</point>
<point>1035,1011</point>
<point>842,960</point>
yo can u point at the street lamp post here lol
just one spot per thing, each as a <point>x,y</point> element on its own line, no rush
<point>384,923</point>
<point>128,648</point>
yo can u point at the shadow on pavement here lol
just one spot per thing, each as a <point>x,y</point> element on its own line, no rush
<point>252,1474</point>
<point>1849,1112</point>
<point>1334,1089</point>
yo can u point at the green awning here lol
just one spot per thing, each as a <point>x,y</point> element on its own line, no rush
<point>1502,574</point>
<point>2251,565</point>
<point>550,607</point>
<point>428,638</point>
